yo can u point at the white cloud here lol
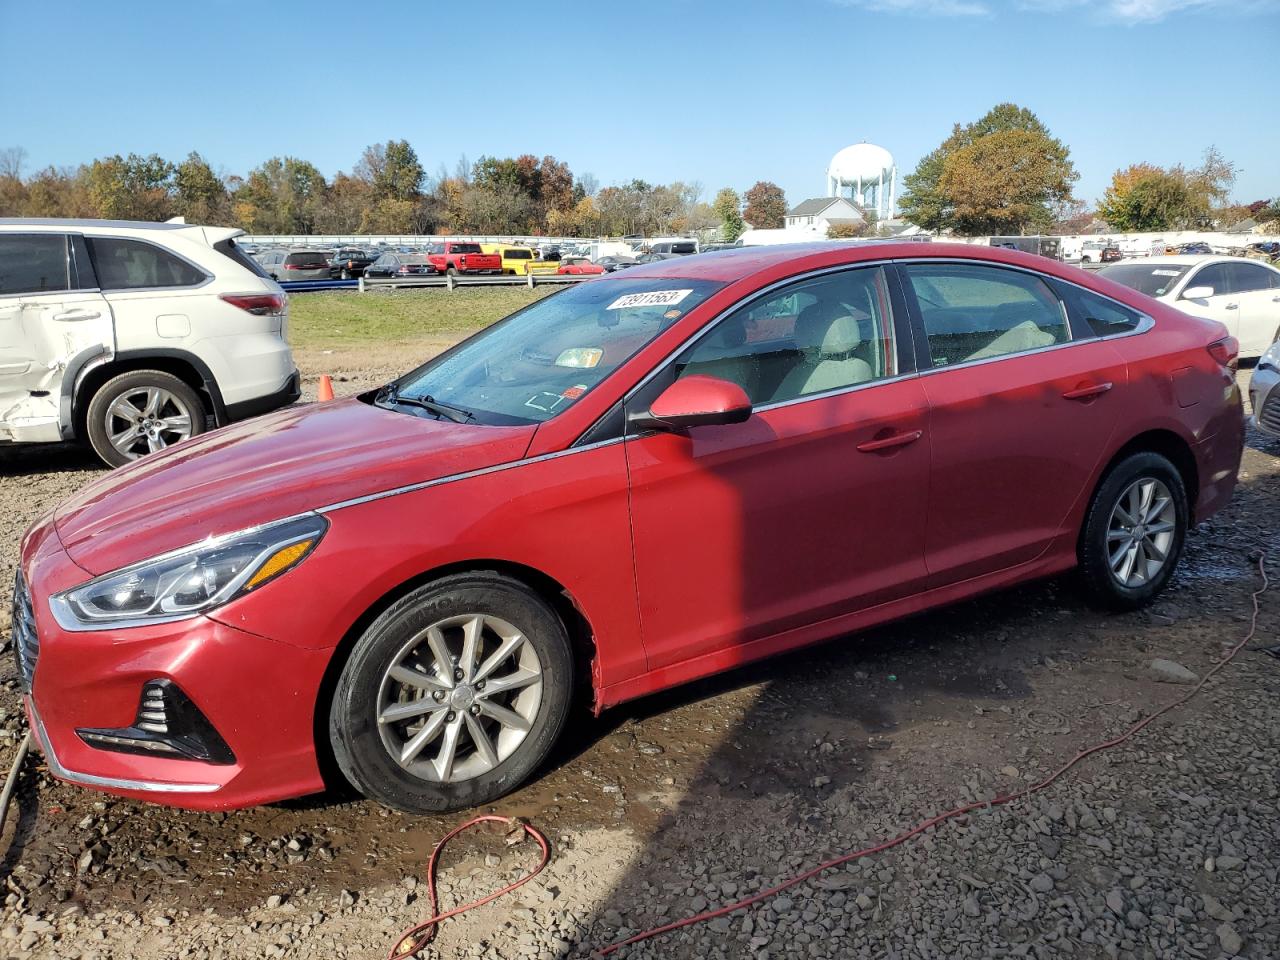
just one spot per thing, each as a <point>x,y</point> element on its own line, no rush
<point>934,8</point>
<point>1145,11</point>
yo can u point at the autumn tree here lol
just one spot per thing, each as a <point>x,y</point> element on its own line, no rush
<point>1145,197</point>
<point>131,188</point>
<point>199,195</point>
<point>766,206</point>
<point>283,195</point>
<point>1004,172</point>
<point>727,205</point>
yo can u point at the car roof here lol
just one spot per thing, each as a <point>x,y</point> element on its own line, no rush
<point>1176,260</point>
<point>730,265</point>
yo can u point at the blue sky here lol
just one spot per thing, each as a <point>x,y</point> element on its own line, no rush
<point>715,92</point>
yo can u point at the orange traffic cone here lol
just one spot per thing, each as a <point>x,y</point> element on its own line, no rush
<point>326,389</point>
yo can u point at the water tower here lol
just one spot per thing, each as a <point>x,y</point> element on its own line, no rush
<point>867,175</point>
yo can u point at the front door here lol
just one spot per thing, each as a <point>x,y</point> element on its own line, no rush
<point>810,509</point>
<point>1019,415</point>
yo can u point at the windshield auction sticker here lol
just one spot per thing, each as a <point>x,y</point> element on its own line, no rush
<point>1166,273</point>
<point>654,298</point>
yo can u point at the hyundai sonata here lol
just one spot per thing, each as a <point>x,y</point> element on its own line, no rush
<point>638,481</point>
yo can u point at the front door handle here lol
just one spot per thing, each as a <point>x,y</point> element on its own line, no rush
<point>888,443</point>
<point>1088,392</point>
<point>1232,306</point>
<point>78,314</point>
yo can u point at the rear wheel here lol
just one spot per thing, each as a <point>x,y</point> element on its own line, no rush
<point>453,696</point>
<point>1134,532</point>
<point>141,412</point>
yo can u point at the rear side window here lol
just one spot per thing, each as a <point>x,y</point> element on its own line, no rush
<point>1098,315</point>
<point>33,263</point>
<point>135,265</point>
<point>228,248</point>
<point>1214,275</point>
<point>975,312</point>
<point>1248,277</point>
<point>519,254</point>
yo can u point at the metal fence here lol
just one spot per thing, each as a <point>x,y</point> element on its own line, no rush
<point>365,284</point>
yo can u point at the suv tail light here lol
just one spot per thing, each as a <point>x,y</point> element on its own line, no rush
<point>259,304</point>
<point>1226,351</point>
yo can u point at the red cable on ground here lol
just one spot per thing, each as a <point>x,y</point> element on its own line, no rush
<point>958,811</point>
<point>417,937</point>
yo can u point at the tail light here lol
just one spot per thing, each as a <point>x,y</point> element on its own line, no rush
<point>1226,352</point>
<point>259,304</point>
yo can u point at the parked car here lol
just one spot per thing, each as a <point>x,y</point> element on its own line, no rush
<point>1243,295</point>
<point>131,337</point>
<point>1193,249</point>
<point>349,264</point>
<point>682,248</point>
<point>518,260</point>
<point>1099,251</point>
<point>401,265</point>
<point>636,482</point>
<point>616,262</point>
<point>1264,390</point>
<point>456,256</point>
<point>298,263</point>
<point>579,266</point>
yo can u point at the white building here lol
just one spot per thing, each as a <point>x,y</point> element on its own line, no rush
<point>816,215</point>
<point>867,175</point>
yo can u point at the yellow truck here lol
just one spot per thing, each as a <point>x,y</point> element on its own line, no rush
<point>520,260</point>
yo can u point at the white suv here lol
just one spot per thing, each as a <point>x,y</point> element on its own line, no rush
<point>133,336</point>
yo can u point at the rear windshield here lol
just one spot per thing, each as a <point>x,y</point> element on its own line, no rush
<point>299,259</point>
<point>519,254</point>
<point>465,248</point>
<point>228,248</point>
<point>414,258</point>
<point>343,254</point>
<point>1153,279</point>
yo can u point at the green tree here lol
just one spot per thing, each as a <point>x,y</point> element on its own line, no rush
<point>392,170</point>
<point>1034,165</point>
<point>131,188</point>
<point>727,206</point>
<point>1144,197</point>
<point>766,206</point>
<point>283,195</point>
<point>199,195</point>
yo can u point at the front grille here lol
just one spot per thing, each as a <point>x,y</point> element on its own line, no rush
<point>26,643</point>
<point>1269,416</point>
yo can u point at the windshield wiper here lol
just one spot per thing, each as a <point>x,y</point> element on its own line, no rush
<point>391,394</point>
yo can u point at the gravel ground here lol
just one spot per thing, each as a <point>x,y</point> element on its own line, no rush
<point>1167,847</point>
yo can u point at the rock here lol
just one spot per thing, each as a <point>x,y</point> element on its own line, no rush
<point>1230,939</point>
<point>1215,908</point>
<point>782,905</point>
<point>1169,671</point>
<point>1042,883</point>
<point>1115,902</point>
<point>971,906</point>
<point>274,901</point>
<point>1229,863</point>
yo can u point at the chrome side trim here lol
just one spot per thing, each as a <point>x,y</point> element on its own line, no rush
<point>111,783</point>
<point>497,468</point>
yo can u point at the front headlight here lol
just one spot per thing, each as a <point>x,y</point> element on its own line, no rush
<point>189,581</point>
<point>1272,357</point>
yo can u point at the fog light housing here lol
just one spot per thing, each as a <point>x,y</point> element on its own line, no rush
<point>168,724</point>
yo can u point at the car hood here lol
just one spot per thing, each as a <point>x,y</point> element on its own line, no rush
<point>261,470</point>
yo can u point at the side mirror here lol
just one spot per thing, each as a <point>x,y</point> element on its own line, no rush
<point>697,401</point>
<point>1197,293</point>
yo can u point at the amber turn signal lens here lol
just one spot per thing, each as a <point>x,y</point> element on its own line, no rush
<point>278,562</point>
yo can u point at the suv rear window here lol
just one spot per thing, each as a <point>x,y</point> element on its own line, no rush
<point>32,262</point>
<point>518,254</point>
<point>316,260</point>
<point>135,265</point>
<point>229,248</point>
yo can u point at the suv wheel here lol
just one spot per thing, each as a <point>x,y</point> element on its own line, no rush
<point>141,412</point>
<point>453,696</point>
<point>1134,531</point>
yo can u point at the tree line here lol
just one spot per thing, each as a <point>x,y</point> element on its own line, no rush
<point>388,191</point>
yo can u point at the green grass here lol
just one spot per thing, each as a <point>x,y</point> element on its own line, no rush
<point>344,319</point>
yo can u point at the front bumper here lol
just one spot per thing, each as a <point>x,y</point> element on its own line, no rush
<point>1264,399</point>
<point>258,694</point>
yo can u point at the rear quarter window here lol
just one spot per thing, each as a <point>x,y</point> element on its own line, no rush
<point>1094,315</point>
<point>124,264</point>
<point>231,251</point>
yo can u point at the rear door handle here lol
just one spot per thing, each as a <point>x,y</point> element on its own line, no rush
<point>888,443</point>
<point>1232,306</point>
<point>78,314</point>
<point>1089,392</point>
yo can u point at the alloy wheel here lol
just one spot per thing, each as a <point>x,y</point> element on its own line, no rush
<point>1141,532</point>
<point>459,698</point>
<point>146,419</point>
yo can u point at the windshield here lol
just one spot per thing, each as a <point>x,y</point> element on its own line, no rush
<point>1155,280</point>
<point>538,362</point>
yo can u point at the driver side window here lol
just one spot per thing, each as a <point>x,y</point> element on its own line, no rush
<point>827,333</point>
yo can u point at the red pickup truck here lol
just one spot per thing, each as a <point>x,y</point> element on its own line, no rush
<point>457,256</point>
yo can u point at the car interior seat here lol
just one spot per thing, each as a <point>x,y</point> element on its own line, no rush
<point>828,336</point>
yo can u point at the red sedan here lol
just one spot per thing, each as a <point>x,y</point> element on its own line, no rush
<point>641,480</point>
<point>579,266</point>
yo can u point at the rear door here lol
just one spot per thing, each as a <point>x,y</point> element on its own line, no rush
<point>1223,306</point>
<point>1257,290</point>
<point>1020,413</point>
<point>52,318</point>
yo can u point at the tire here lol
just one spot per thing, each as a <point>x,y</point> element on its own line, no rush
<point>164,424</point>
<point>1102,527</point>
<point>362,741</point>
<point>346,275</point>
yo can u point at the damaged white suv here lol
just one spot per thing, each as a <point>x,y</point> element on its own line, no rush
<point>132,336</point>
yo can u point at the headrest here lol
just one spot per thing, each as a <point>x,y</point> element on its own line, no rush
<point>831,330</point>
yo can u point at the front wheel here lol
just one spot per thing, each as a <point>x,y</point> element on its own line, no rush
<point>141,412</point>
<point>453,696</point>
<point>1134,532</point>
<point>346,274</point>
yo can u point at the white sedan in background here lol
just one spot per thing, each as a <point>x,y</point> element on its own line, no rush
<point>1242,294</point>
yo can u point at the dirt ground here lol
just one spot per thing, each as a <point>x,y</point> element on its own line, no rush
<point>1166,847</point>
